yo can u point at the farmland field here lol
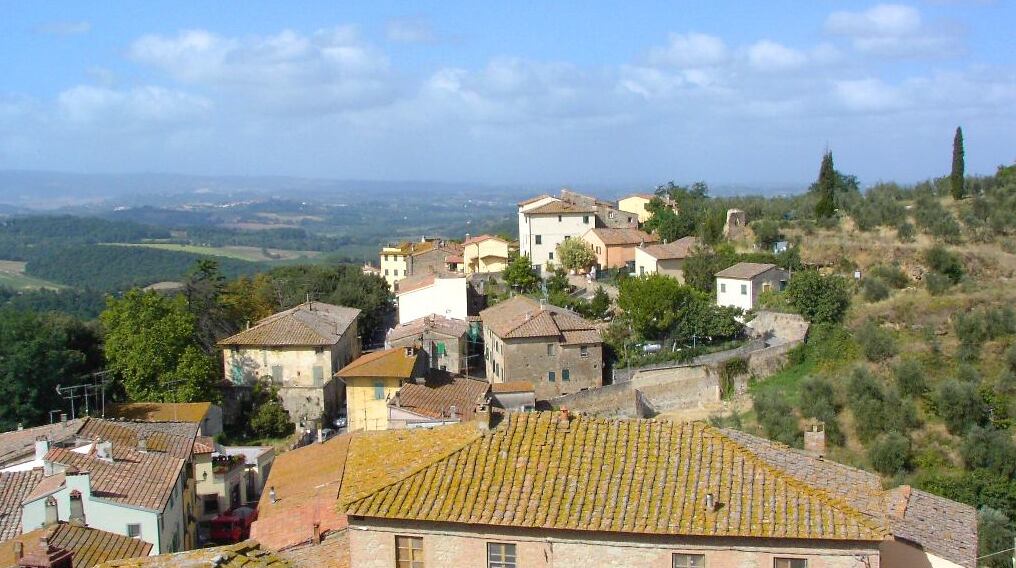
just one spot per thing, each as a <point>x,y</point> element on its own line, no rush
<point>253,254</point>
<point>12,275</point>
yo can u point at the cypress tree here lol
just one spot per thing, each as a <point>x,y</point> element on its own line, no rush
<point>826,188</point>
<point>956,177</point>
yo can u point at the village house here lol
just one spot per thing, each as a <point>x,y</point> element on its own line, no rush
<point>445,294</point>
<point>554,349</point>
<point>372,380</point>
<point>206,415</point>
<point>257,462</point>
<point>607,213</point>
<point>443,398</point>
<point>615,248</point>
<point>666,258</point>
<point>484,253</point>
<point>562,491</point>
<point>406,259</point>
<point>740,285</point>
<point>445,341</point>
<point>545,222</point>
<point>516,396</point>
<point>63,545</point>
<point>298,350</point>
<point>636,204</point>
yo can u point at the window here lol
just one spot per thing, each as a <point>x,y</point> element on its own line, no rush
<point>565,375</point>
<point>551,377</point>
<point>408,552</point>
<point>134,530</point>
<point>723,287</point>
<point>689,561</point>
<point>500,555</point>
<point>536,268</point>
<point>440,348</point>
<point>584,351</point>
<point>610,215</point>
<point>211,504</point>
<point>550,256</point>
<point>379,390</point>
<point>395,272</point>
<point>539,239</point>
<point>558,218</point>
<point>387,272</point>
<point>318,373</point>
<point>790,563</point>
<point>783,285</point>
<point>585,219</point>
<point>277,374</point>
<point>744,289</point>
<point>551,349</point>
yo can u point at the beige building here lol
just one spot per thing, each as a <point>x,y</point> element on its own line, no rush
<point>740,285</point>
<point>442,399</point>
<point>563,491</point>
<point>221,484</point>
<point>555,350</point>
<point>484,253</point>
<point>444,340</point>
<point>667,258</point>
<point>636,204</point>
<point>298,350</point>
<point>615,248</point>
<point>406,259</point>
<point>607,213</point>
<point>372,380</point>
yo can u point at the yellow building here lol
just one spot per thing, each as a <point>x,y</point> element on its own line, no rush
<point>372,380</point>
<point>395,262</point>
<point>484,253</point>
<point>636,204</point>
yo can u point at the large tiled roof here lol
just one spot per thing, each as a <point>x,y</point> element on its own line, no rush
<point>622,236</point>
<point>160,411</point>
<point>941,526</point>
<point>560,208</point>
<point>125,435</point>
<point>635,476</point>
<point>439,394</point>
<point>524,317</point>
<point>140,479</point>
<point>648,196</point>
<point>246,554</point>
<point>309,324</point>
<point>14,487</point>
<point>88,546</point>
<point>744,270</point>
<point>434,323</point>
<point>19,445</point>
<point>681,248</point>
<point>394,363</point>
<point>481,238</point>
<point>313,483</point>
<point>331,552</point>
<point>534,199</point>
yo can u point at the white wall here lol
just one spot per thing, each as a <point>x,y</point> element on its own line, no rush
<point>552,232</point>
<point>447,297</point>
<point>731,292</point>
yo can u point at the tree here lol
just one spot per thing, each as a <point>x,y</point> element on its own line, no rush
<point>656,306</point>
<point>956,175</point>
<point>519,275</point>
<point>876,343</point>
<point>890,453</point>
<point>994,534</point>
<point>600,303</point>
<point>990,449</point>
<point>826,188</point>
<point>959,405</point>
<point>203,288</point>
<point>820,299</point>
<point>777,417</point>
<point>152,348</point>
<point>575,254</point>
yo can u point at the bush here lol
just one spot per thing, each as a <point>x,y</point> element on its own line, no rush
<point>1010,357</point>
<point>906,233</point>
<point>876,410</point>
<point>959,405</point>
<point>575,254</point>
<point>890,454</point>
<point>820,299</point>
<point>271,420</point>
<point>777,418</point>
<point>994,533</point>
<point>874,289</point>
<point>890,274</point>
<point>877,344</point>
<point>909,375</point>
<point>818,398</point>
<point>937,283</point>
<point>990,449</point>
<point>941,260</point>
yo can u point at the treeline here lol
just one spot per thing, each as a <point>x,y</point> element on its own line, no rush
<point>287,238</point>
<point>81,304</point>
<point>21,237</point>
<point>115,268</point>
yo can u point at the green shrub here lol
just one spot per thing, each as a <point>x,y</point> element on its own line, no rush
<point>1010,357</point>
<point>994,533</point>
<point>874,289</point>
<point>909,375</point>
<point>877,411</point>
<point>877,344</point>
<point>271,420</point>
<point>890,274</point>
<point>999,321</point>
<point>777,418</point>
<point>959,405</point>
<point>820,299</point>
<point>818,398</point>
<point>937,283</point>
<point>939,259</point>
<point>967,373</point>
<point>990,449</point>
<point>906,233</point>
<point>890,454</point>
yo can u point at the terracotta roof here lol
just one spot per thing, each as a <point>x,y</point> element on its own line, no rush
<point>524,317</point>
<point>560,207</point>
<point>313,483</point>
<point>140,479</point>
<point>125,436</point>
<point>419,281</point>
<point>622,236</point>
<point>88,546</point>
<point>387,363</point>
<point>309,324</point>
<point>744,270</point>
<point>481,238</point>
<point>632,476</point>
<point>19,445</point>
<point>512,386</point>
<point>434,323</point>
<point>204,445</point>
<point>332,552</point>
<point>941,526</point>
<point>456,258</point>
<point>14,487</point>
<point>406,247</point>
<point>436,397</point>
<point>581,337</point>
<point>648,196</point>
<point>248,554</point>
<point>160,411</point>
<point>681,248</point>
<point>534,199</point>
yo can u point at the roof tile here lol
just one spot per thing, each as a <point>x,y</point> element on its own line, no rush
<point>309,324</point>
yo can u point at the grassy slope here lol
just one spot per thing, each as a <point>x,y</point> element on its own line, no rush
<point>12,275</point>
<point>253,254</point>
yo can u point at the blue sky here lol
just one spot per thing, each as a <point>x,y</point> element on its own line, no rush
<point>525,92</point>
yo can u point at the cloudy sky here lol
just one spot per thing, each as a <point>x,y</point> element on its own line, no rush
<point>516,92</point>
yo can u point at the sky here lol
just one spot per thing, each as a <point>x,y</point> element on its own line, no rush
<point>636,92</point>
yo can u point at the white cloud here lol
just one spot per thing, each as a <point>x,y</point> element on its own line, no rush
<point>63,28</point>
<point>412,31</point>
<point>690,50</point>
<point>768,55</point>
<point>893,30</point>
<point>868,95</point>
<point>86,104</point>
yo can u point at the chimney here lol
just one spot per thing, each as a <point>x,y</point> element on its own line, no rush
<point>272,496</point>
<point>19,550</point>
<point>142,444</point>
<point>41,448</point>
<point>710,502</point>
<point>320,436</point>
<point>63,418</point>
<point>317,532</point>
<point>563,418</point>
<point>104,451</point>
<point>453,412</point>
<point>814,439</point>
<point>44,555</point>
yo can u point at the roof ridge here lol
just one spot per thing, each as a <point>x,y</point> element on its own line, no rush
<point>800,485</point>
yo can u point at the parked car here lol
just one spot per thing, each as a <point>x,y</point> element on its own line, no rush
<point>233,526</point>
<point>340,422</point>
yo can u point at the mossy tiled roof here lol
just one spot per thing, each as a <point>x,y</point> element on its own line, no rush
<point>389,363</point>
<point>635,476</point>
<point>89,546</point>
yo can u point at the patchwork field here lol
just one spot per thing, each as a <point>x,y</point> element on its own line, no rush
<point>12,275</point>
<point>253,254</point>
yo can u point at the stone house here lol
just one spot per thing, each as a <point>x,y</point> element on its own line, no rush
<point>666,258</point>
<point>206,415</point>
<point>298,350</point>
<point>443,398</point>
<point>405,259</point>
<point>444,340</point>
<point>373,379</point>
<point>484,253</point>
<point>740,285</point>
<point>554,349</point>
<point>607,213</point>
<point>560,491</point>
<point>77,545</point>
<point>615,248</point>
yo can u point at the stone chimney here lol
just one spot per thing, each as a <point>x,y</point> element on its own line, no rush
<point>41,448</point>
<point>45,555</point>
<point>814,439</point>
<point>142,444</point>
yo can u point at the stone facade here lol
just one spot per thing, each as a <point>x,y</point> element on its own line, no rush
<point>372,545</point>
<point>544,362</point>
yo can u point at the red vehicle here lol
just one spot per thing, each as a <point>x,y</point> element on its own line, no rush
<point>233,526</point>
